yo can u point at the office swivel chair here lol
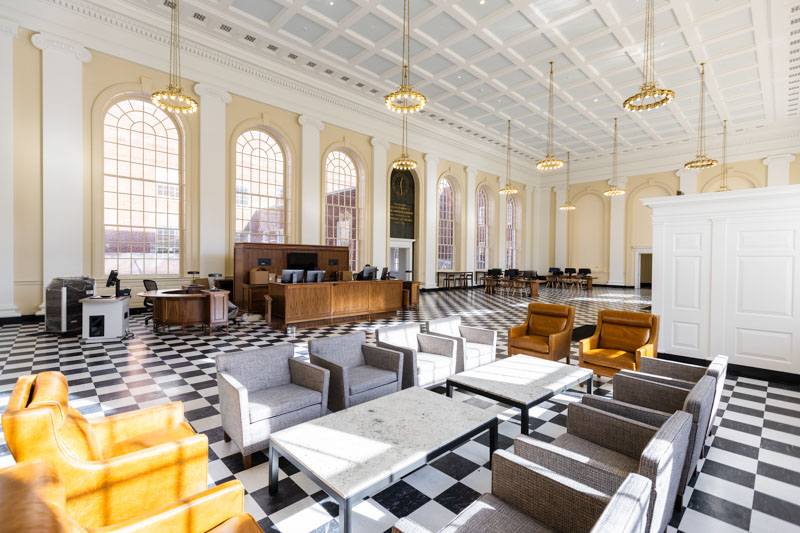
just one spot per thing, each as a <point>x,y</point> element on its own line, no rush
<point>149,285</point>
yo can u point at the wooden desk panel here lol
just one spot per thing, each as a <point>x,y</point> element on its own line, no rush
<point>385,296</point>
<point>350,298</point>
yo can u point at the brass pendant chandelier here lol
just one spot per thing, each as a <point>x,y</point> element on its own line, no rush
<point>650,96</point>
<point>567,206</point>
<point>508,189</point>
<point>550,162</point>
<point>702,160</point>
<point>406,99</point>
<point>404,162</point>
<point>614,190</point>
<point>173,98</point>
<point>724,186</point>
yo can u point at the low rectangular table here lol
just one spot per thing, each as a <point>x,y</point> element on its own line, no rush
<point>355,453</point>
<point>521,381</point>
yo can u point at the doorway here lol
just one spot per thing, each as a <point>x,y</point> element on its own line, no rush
<point>401,258</point>
<point>643,267</point>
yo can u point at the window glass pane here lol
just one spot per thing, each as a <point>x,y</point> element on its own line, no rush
<point>259,188</point>
<point>511,232</point>
<point>341,204</point>
<point>446,226</point>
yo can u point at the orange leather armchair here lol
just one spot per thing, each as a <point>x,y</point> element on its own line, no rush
<point>32,498</point>
<point>546,333</point>
<point>113,468</point>
<point>620,341</point>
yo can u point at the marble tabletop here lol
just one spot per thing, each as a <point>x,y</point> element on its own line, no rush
<point>522,378</point>
<point>353,449</point>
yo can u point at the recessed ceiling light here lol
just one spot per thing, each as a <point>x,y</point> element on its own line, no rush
<point>482,2</point>
<point>596,99</point>
<point>459,77</point>
<point>331,2</point>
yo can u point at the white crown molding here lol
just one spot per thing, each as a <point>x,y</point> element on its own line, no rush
<point>45,41</point>
<point>205,89</point>
<point>9,27</point>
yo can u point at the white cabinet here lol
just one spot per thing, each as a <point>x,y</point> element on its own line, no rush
<point>726,276</point>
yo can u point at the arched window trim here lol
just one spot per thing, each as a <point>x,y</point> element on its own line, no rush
<point>511,232</point>
<point>334,235</point>
<point>483,219</point>
<point>279,188</point>
<point>167,239</point>
<point>446,225</point>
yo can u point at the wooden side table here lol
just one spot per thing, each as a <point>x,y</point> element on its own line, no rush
<point>268,309</point>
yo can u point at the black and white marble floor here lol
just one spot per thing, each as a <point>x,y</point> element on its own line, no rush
<point>750,479</point>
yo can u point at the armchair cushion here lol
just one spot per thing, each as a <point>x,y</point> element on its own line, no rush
<point>241,523</point>
<point>544,319</point>
<point>626,331</point>
<point>258,369</point>
<point>364,378</point>
<point>473,350</point>
<point>613,358</point>
<point>404,335</point>
<point>449,325</point>
<point>535,343</point>
<point>594,454</point>
<point>276,401</point>
<point>344,350</point>
<point>149,439</point>
<point>432,368</point>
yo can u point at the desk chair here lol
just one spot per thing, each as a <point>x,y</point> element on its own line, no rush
<point>149,285</point>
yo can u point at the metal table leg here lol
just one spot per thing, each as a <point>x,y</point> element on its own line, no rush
<point>449,390</point>
<point>492,440</point>
<point>345,510</point>
<point>273,470</point>
<point>524,420</point>
<point>590,385</point>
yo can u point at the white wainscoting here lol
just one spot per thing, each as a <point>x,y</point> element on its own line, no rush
<point>726,276</point>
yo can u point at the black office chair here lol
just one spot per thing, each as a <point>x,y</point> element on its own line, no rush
<point>149,285</point>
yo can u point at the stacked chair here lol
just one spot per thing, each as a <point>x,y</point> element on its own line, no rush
<point>475,346</point>
<point>428,360</point>
<point>546,333</point>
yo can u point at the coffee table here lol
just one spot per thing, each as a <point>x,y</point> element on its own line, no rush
<point>357,452</point>
<point>521,381</point>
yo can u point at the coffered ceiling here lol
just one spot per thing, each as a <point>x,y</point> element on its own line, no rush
<point>481,62</point>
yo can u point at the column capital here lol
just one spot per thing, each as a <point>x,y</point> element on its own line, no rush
<point>311,122</point>
<point>432,159</point>
<point>782,158</point>
<point>687,172</point>
<point>621,182</point>
<point>205,89</point>
<point>44,41</point>
<point>472,172</point>
<point>10,27</point>
<point>560,188</point>
<point>379,142</point>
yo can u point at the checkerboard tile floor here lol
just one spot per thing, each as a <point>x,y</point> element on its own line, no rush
<point>750,479</point>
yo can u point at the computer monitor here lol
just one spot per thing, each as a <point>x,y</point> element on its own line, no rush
<point>385,273</point>
<point>370,273</point>
<point>315,276</point>
<point>555,270</point>
<point>584,271</point>
<point>291,276</point>
<point>494,272</point>
<point>569,271</point>
<point>113,280</point>
<point>529,274</point>
<point>512,273</point>
<point>301,261</point>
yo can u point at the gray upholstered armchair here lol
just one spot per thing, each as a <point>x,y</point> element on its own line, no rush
<point>359,372</point>
<point>600,449</point>
<point>528,497</point>
<point>263,391</point>
<point>474,346</point>
<point>428,360</point>
<point>665,399</point>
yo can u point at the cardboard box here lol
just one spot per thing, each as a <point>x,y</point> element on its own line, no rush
<point>259,276</point>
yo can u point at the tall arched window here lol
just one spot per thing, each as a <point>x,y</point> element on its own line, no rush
<point>260,179</point>
<point>446,243</point>
<point>511,232</point>
<point>341,204</point>
<point>482,235</point>
<point>142,190</point>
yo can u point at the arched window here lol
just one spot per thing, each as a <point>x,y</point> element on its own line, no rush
<point>482,236</point>
<point>511,232</point>
<point>446,243</point>
<point>341,204</point>
<point>142,190</point>
<point>260,179</point>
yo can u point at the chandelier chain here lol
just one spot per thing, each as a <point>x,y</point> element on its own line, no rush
<point>701,128</point>
<point>174,47</point>
<point>550,115</point>
<point>724,186</point>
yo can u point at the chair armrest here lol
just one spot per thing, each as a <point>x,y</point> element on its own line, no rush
<point>645,393</point>
<point>196,514</point>
<point>124,426</point>
<point>627,510</point>
<point>648,350</point>
<point>560,342</point>
<point>589,343</point>
<point>391,360</point>
<point>567,463</point>
<point>436,345</point>
<point>479,335</point>
<point>608,430</point>
<point>233,407</point>
<point>517,331</point>
<point>409,363</point>
<point>339,384</point>
<point>406,525</point>
<point>541,493</point>
<point>311,377</point>
<point>672,369</point>
<point>651,417</point>
<point>688,385</point>
<point>461,349</point>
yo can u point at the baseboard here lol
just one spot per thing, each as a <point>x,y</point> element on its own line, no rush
<point>773,376</point>
<point>437,289</point>
<point>35,319</point>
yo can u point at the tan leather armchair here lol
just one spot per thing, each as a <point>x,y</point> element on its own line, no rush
<point>546,333</point>
<point>32,498</point>
<point>621,340</point>
<point>114,468</point>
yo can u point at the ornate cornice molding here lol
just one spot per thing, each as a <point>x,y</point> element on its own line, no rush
<point>310,122</point>
<point>45,41</point>
<point>205,89</point>
<point>9,27</point>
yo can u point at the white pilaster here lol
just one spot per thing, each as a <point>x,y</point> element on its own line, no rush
<point>688,180</point>
<point>62,155</point>
<point>431,220</point>
<point>502,212</point>
<point>8,32</point>
<point>311,190</point>
<point>561,227</point>
<point>213,196</point>
<point>472,174</point>
<point>616,247</point>
<point>778,169</point>
<point>541,230</point>
<point>527,228</point>
<point>380,207</point>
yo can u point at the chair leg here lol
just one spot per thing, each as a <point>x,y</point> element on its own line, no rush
<point>247,461</point>
<point>226,437</point>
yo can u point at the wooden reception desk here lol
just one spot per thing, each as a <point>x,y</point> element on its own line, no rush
<point>312,304</point>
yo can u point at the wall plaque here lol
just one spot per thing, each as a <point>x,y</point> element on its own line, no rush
<point>401,205</point>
